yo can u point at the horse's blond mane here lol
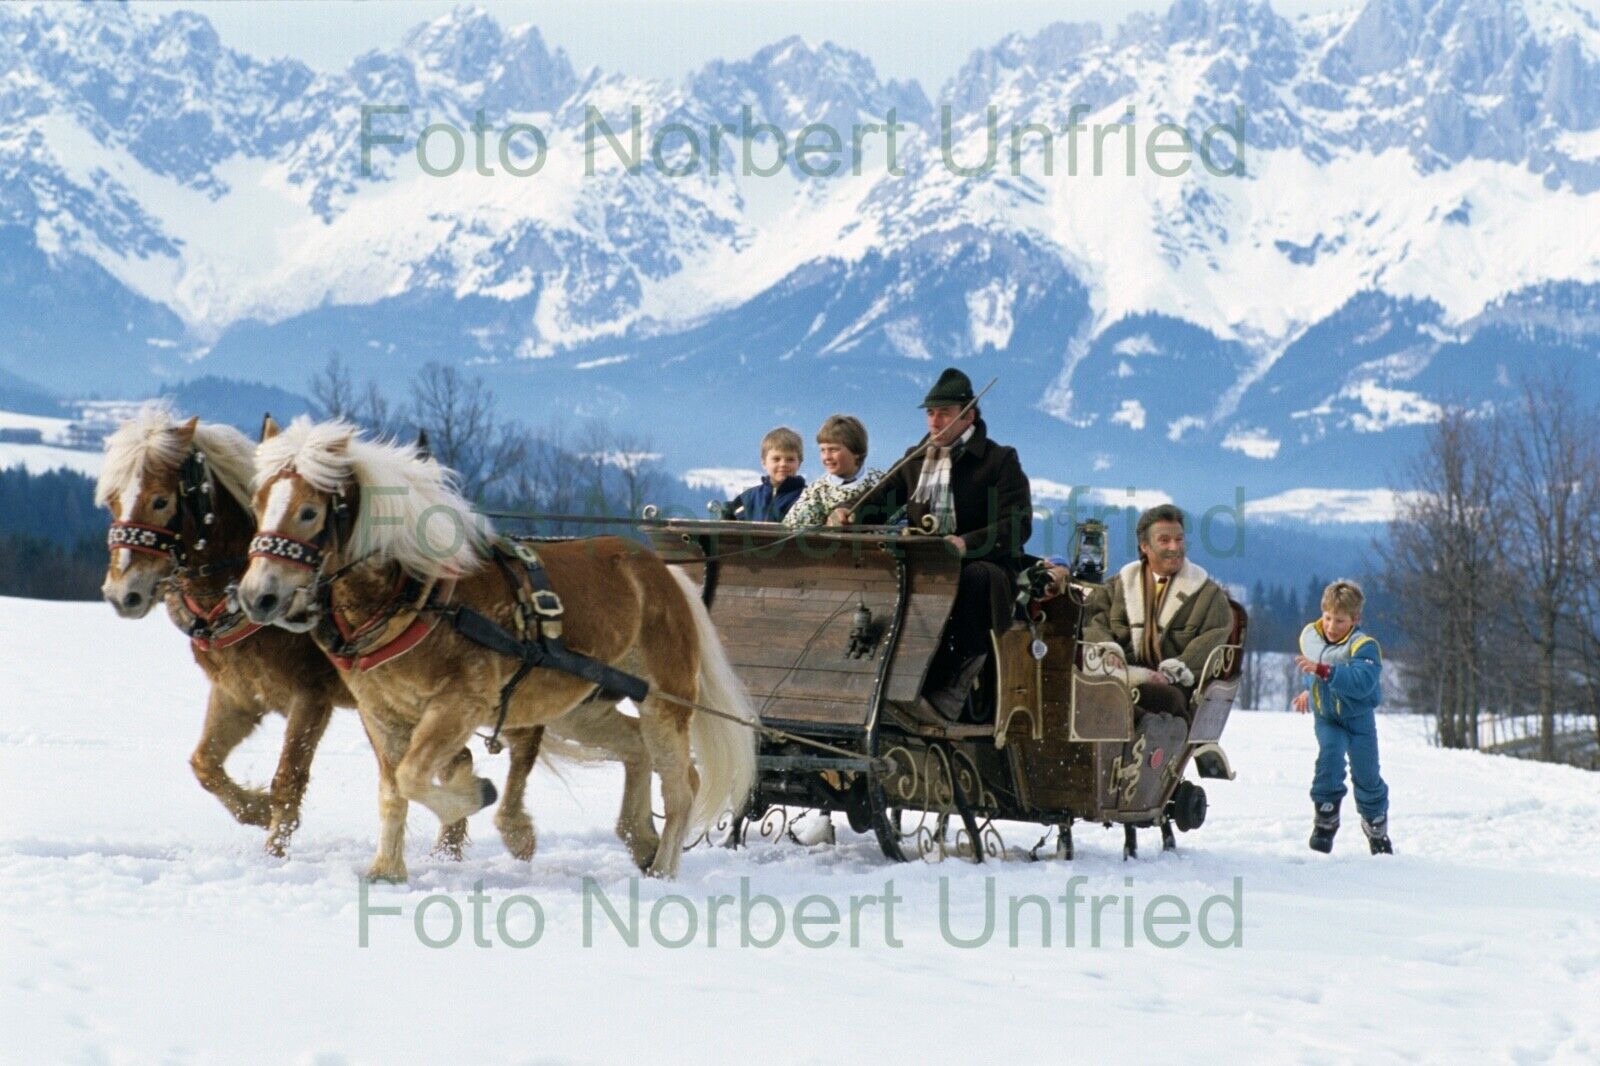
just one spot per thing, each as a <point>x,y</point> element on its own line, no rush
<point>410,510</point>
<point>231,456</point>
<point>150,440</point>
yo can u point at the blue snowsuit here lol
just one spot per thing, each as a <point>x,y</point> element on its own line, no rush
<point>760,504</point>
<point>1344,707</point>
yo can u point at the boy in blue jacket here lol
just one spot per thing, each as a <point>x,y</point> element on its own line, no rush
<point>781,454</point>
<point>1343,668</point>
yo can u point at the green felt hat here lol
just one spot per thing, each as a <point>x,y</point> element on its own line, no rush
<point>953,387</point>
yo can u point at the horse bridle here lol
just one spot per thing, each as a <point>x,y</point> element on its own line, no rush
<point>195,500</point>
<point>311,554</point>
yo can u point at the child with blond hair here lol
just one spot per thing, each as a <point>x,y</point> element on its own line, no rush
<point>781,455</point>
<point>1343,669</point>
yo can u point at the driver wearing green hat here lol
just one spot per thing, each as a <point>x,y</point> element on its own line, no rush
<point>972,491</point>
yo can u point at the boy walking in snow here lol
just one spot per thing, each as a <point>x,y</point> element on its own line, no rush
<point>1343,669</point>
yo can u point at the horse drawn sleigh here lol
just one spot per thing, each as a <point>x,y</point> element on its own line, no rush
<point>832,633</point>
<point>829,632</point>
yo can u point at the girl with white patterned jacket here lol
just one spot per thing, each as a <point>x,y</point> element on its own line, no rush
<point>842,447</point>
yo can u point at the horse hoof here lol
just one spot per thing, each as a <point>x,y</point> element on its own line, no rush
<point>520,840</point>
<point>386,875</point>
<point>254,811</point>
<point>486,792</point>
<point>643,851</point>
<point>452,841</point>
<point>661,867</point>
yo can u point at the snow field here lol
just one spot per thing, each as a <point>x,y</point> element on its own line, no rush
<point>142,924</point>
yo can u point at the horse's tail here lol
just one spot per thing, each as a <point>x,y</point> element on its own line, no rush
<point>724,750</point>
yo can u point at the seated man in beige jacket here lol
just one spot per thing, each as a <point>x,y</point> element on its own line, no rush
<point>1161,615</point>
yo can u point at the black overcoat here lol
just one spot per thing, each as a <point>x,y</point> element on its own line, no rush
<point>994,506</point>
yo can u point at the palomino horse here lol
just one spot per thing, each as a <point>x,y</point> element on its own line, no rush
<point>348,519</point>
<point>179,497</point>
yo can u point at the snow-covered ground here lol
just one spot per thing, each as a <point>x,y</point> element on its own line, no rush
<point>141,924</point>
<point>51,453</point>
<point>43,458</point>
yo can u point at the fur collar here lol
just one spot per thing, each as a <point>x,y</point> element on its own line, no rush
<point>1184,585</point>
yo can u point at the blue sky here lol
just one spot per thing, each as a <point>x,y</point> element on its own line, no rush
<point>924,39</point>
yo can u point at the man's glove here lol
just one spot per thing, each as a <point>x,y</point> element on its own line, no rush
<point>1112,655</point>
<point>1177,672</point>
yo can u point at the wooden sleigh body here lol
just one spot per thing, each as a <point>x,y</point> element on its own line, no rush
<point>833,632</point>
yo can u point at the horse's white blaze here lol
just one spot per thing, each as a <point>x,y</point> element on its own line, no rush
<point>129,498</point>
<point>277,505</point>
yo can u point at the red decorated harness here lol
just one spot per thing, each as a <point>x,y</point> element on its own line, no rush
<point>217,628</point>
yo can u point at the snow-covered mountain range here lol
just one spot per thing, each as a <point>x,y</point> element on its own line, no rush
<point>1412,221</point>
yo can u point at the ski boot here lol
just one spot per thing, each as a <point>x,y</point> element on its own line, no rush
<point>1324,826</point>
<point>1378,835</point>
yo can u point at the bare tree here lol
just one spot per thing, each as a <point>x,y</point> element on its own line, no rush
<point>1587,622</point>
<point>636,479</point>
<point>1249,679</point>
<point>550,481</point>
<point>1550,496</point>
<point>333,391</point>
<point>335,394</point>
<point>1445,569</point>
<point>457,410</point>
<point>501,463</point>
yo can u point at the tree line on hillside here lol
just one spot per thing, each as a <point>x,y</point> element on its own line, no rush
<point>58,505</point>
<point>52,536</point>
<point>596,471</point>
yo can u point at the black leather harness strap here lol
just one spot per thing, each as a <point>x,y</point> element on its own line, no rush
<point>538,642</point>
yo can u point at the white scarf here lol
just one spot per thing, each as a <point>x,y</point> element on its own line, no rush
<point>933,487</point>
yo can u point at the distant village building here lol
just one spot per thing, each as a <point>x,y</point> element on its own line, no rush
<point>95,420</point>
<point>86,436</point>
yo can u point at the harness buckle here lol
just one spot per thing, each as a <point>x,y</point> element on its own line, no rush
<point>548,611</point>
